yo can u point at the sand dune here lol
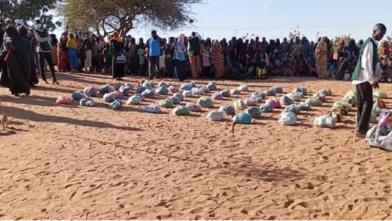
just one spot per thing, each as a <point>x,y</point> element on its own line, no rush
<point>72,162</point>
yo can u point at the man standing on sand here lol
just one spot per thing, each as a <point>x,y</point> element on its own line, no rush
<point>154,52</point>
<point>366,75</point>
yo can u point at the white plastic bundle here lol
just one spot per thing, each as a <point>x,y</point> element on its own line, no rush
<point>215,115</point>
<point>325,121</point>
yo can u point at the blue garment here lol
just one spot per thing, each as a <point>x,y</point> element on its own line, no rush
<point>154,46</point>
<point>179,52</point>
<point>73,58</point>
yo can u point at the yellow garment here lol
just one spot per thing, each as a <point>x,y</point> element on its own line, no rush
<point>71,43</point>
<point>118,39</point>
<point>322,59</point>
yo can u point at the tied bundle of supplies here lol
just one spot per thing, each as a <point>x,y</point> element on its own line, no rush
<point>380,135</point>
<point>325,121</point>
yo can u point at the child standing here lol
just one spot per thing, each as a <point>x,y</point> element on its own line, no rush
<point>142,59</point>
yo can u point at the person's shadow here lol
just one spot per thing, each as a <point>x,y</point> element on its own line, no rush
<point>19,113</point>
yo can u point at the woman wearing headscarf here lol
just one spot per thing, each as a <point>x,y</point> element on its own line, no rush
<point>62,59</point>
<point>217,59</point>
<point>179,57</point>
<point>384,49</point>
<point>322,58</point>
<point>22,30</point>
<point>18,63</point>
<point>306,47</point>
<point>118,58</point>
<point>53,48</point>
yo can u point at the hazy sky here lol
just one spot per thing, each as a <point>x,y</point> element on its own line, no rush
<point>276,18</point>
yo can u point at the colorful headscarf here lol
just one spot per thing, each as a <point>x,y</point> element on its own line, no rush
<point>118,39</point>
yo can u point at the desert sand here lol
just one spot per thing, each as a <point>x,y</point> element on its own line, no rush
<point>72,162</point>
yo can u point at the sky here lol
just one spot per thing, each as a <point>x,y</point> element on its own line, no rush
<point>272,19</point>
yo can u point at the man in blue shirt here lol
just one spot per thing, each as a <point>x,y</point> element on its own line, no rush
<point>154,51</point>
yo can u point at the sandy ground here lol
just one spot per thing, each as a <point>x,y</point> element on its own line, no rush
<point>74,162</point>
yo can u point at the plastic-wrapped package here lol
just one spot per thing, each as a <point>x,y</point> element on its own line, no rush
<point>118,95</point>
<point>115,105</point>
<point>261,95</point>
<point>253,101</point>
<point>152,108</point>
<point>129,85</point>
<point>296,96</point>
<point>381,135</point>
<point>380,95</point>
<point>240,105</point>
<point>286,100</point>
<point>175,100</point>
<point>215,115</point>
<point>228,109</point>
<point>135,99</point>
<point>343,105</point>
<point>314,102</point>
<point>167,103</point>
<point>198,91</point>
<point>186,87</point>
<point>117,86</point>
<point>225,93</point>
<point>351,97</point>
<point>64,100</point>
<point>242,118</point>
<point>326,92</point>
<point>87,102</point>
<point>293,108</point>
<point>270,92</point>
<point>301,89</point>
<point>187,93</point>
<point>320,96</point>
<point>109,97</point>
<point>266,108</point>
<point>179,96</point>
<point>140,90</point>
<point>180,110</point>
<point>288,118</point>
<point>125,90</point>
<point>211,86</point>
<point>164,84</point>
<point>91,91</point>
<point>106,89</point>
<point>77,95</point>
<point>244,88</point>
<point>304,107</point>
<point>173,89</point>
<point>193,107</point>
<point>206,90</point>
<point>147,85</point>
<point>255,112</point>
<point>235,91</point>
<point>217,96</point>
<point>148,93</point>
<point>277,89</point>
<point>273,102</point>
<point>205,102</point>
<point>325,121</point>
<point>162,91</point>
<point>141,97</point>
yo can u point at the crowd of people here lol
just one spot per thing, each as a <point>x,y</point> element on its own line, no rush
<point>177,57</point>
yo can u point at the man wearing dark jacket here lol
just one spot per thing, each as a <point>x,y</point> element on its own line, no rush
<point>194,54</point>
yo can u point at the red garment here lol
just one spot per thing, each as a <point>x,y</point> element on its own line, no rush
<point>62,60</point>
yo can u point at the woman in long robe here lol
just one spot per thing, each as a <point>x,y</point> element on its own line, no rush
<point>322,58</point>
<point>62,59</point>
<point>22,30</point>
<point>217,59</point>
<point>18,63</point>
<point>117,51</point>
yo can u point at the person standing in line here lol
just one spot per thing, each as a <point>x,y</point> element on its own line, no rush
<point>107,58</point>
<point>118,57</point>
<point>179,57</point>
<point>53,48</point>
<point>88,49</point>
<point>72,53</point>
<point>141,59</point>
<point>194,54</point>
<point>94,56</point>
<point>322,58</point>
<point>133,47</point>
<point>44,48</point>
<point>153,52</point>
<point>366,75</point>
